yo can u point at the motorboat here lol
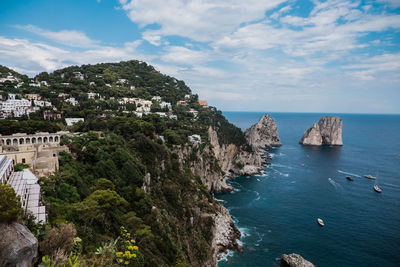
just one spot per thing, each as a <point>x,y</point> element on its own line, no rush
<point>320,222</point>
<point>369,176</point>
<point>349,178</point>
<point>330,179</point>
<point>377,189</point>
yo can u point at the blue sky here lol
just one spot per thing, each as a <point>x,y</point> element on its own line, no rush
<point>276,55</point>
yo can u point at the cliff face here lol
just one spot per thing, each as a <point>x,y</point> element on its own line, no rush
<point>214,162</point>
<point>18,246</point>
<point>263,134</point>
<point>328,131</point>
<point>233,159</point>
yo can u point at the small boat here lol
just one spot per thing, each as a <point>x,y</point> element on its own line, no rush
<point>369,176</point>
<point>330,179</point>
<point>320,222</point>
<point>349,178</point>
<point>377,189</point>
<point>258,179</point>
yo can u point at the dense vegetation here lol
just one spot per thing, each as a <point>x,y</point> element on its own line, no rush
<point>103,182</point>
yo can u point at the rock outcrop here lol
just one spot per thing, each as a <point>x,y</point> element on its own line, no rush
<point>233,159</point>
<point>225,233</point>
<point>294,260</point>
<point>18,246</point>
<point>328,131</point>
<point>263,134</point>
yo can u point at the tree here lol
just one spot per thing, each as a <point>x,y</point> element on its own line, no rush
<point>10,205</point>
<point>104,207</point>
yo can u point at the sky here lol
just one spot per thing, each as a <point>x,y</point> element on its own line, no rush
<point>333,56</point>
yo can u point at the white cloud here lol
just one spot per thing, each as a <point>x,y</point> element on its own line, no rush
<point>65,37</point>
<point>200,20</point>
<point>34,57</point>
<point>183,55</point>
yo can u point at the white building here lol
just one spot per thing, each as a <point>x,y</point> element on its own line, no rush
<point>72,101</point>
<point>194,112</point>
<point>93,95</point>
<point>187,96</point>
<point>45,83</point>
<point>42,103</point>
<point>92,84</point>
<point>25,185</point>
<point>156,98</point>
<point>161,114</point>
<point>143,105</point>
<point>194,139</point>
<point>121,81</point>
<point>78,75</point>
<point>166,105</point>
<point>15,107</point>
<point>34,84</point>
<point>72,121</point>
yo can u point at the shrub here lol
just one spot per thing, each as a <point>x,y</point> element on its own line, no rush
<point>58,242</point>
<point>10,205</point>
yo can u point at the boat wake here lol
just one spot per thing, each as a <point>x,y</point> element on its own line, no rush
<point>349,173</point>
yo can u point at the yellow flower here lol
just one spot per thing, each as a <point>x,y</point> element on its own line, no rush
<point>135,247</point>
<point>133,241</point>
<point>120,260</point>
<point>130,247</point>
<point>126,262</point>
<point>118,254</point>
<point>134,255</point>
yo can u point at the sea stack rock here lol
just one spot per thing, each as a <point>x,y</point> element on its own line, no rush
<point>327,132</point>
<point>263,134</point>
<point>18,246</point>
<point>294,260</point>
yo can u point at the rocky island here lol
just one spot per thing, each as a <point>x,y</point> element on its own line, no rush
<point>263,134</point>
<point>327,132</point>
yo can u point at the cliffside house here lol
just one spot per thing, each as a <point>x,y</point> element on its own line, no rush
<point>50,115</point>
<point>203,103</point>
<point>182,102</point>
<point>72,121</point>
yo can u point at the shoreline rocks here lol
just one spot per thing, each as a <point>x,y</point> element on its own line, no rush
<point>263,134</point>
<point>327,132</point>
<point>294,260</point>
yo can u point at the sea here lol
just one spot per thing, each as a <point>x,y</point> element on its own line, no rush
<point>277,210</point>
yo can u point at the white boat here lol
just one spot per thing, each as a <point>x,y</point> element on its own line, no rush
<point>377,189</point>
<point>320,222</point>
<point>330,179</point>
<point>369,176</point>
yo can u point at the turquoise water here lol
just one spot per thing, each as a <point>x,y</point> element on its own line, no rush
<point>278,213</point>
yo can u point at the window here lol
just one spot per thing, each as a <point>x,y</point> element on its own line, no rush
<point>23,161</point>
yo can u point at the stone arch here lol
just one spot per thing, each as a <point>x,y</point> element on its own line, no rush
<point>45,139</point>
<point>27,140</point>
<point>33,140</point>
<point>8,142</point>
<point>56,139</point>
<point>51,139</point>
<point>2,141</point>
<point>15,141</point>
<point>21,141</point>
<point>39,140</point>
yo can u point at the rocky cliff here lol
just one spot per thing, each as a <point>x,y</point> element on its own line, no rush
<point>18,246</point>
<point>294,260</point>
<point>328,131</point>
<point>263,134</point>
